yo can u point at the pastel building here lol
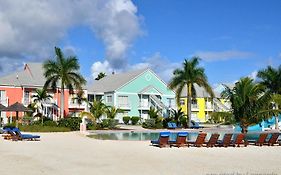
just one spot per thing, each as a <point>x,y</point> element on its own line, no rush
<point>203,105</point>
<point>134,92</point>
<point>20,87</point>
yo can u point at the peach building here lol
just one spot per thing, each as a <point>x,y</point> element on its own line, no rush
<point>20,87</point>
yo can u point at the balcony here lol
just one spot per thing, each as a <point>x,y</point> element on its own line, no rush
<point>144,105</point>
<point>74,104</point>
<point>4,101</point>
<point>124,106</point>
<point>209,106</point>
<point>194,107</point>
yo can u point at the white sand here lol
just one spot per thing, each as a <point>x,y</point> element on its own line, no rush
<point>72,153</point>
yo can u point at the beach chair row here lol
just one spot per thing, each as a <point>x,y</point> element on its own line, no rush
<point>238,140</point>
<point>15,135</point>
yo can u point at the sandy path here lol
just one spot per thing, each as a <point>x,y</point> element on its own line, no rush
<point>71,153</point>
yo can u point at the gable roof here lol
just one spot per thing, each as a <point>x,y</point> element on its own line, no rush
<point>200,92</point>
<point>31,75</point>
<point>112,82</point>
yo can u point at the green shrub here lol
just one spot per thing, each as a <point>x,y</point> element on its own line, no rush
<point>149,123</point>
<point>183,121</point>
<point>72,122</point>
<point>40,128</point>
<point>10,125</point>
<point>126,119</point>
<point>166,121</point>
<point>109,123</point>
<point>135,120</point>
<point>50,123</point>
<point>222,117</point>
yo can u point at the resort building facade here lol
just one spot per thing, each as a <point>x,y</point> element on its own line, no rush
<point>20,87</point>
<point>203,105</point>
<point>134,92</point>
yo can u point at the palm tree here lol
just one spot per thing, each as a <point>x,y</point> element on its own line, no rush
<point>177,114</point>
<point>188,76</point>
<point>111,112</point>
<point>41,96</point>
<point>249,102</point>
<point>64,71</point>
<point>155,114</point>
<point>271,78</point>
<point>100,76</point>
<point>97,108</point>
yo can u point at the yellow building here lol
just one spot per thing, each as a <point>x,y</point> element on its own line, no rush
<point>203,105</point>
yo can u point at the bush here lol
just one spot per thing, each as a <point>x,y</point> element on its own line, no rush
<point>222,117</point>
<point>72,122</point>
<point>50,123</point>
<point>149,123</point>
<point>135,120</point>
<point>40,128</point>
<point>166,121</point>
<point>183,121</point>
<point>126,119</point>
<point>109,123</point>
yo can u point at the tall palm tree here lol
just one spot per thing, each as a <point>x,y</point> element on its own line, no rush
<point>64,71</point>
<point>100,76</point>
<point>271,78</point>
<point>249,102</point>
<point>39,98</point>
<point>189,75</point>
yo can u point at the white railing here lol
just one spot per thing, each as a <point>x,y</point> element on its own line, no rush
<point>122,106</point>
<point>4,101</point>
<point>74,104</point>
<point>208,105</point>
<point>194,106</point>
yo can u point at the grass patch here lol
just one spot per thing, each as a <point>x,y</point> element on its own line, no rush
<point>40,128</point>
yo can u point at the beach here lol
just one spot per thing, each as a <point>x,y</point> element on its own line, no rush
<point>74,153</point>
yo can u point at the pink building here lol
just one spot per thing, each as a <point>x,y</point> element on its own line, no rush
<point>20,86</point>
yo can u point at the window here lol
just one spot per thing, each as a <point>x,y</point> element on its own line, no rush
<point>109,99</point>
<point>2,95</point>
<point>123,100</point>
<point>171,102</point>
<point>26,97</point>
<point>182,102</point>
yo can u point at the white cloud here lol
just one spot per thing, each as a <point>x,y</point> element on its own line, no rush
<point>98,67</point>
<point>223,55</point>
<point>30,29</point>
<point>253,75</point>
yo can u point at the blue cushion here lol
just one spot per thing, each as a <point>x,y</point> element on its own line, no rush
<point>182,134</point>
<point>165,134</point>
<point>154,141</point>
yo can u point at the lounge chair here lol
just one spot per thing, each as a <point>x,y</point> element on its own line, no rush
<point>195,125</point>
<point>273,139</point>
<point>239,140</point>
<point>213,140</point>
<point>226,140</point>
<point>180,140</point>
<point>260,141</point>
<point>24,136</point>
<point>199,140</point>
<point>9,134</point>
<point>172,125</point>
<point>163,140</point>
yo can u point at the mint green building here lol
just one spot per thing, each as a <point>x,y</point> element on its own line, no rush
<point>134,92</point>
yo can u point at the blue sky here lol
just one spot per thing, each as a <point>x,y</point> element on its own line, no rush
<point>234,38</point>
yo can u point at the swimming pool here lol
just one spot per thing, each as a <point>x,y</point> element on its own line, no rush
<point>142,136</point>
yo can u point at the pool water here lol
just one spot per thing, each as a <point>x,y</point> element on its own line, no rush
<point>141,136</point>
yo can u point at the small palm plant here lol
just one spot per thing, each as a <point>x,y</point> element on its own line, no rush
<point>189,75</point>
<point>177,115</point>
<point>39,98</point>
<point>111,112</point>
<point>98,109</point>
<point>155,114</point>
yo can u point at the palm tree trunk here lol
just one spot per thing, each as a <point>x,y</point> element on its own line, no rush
<point>276,119</point>
<point>244,129</point>
<point>62,102</point>
<point>189,105</point>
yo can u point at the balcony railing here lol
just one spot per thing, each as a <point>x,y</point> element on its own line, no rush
<point>74,104</point>
<point>194,106</point>
<point>208,106</point>
<point>124,106</point>
<point>4,101</point>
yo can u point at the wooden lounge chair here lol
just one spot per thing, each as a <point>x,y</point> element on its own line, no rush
<point>9,134</point>
<point>24,136</point>
<point>273,139</point>
<point>180,140</point>
<point>226,140</point>
<point>213,140</point>
<point>163,140</point>
<point>239,140</point>
<point>260,141</point>
<point>199,141</point>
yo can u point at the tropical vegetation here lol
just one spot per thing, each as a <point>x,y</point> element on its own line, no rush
<point>187,77</point>
<point>64,71</point>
